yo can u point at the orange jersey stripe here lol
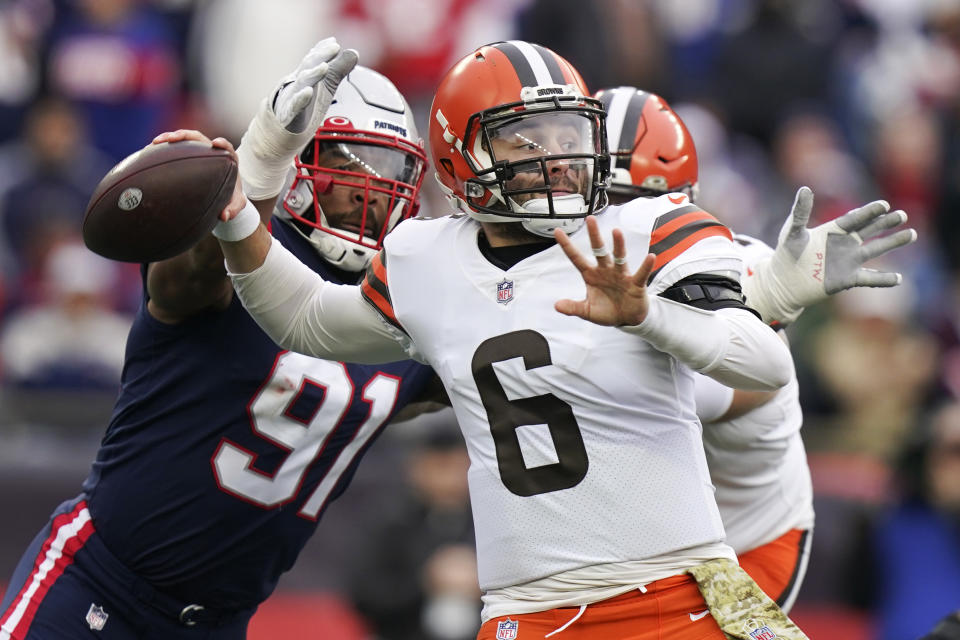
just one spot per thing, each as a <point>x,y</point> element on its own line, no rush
<point>660,233</point>
<point>378,269</point>
<point>666,256</point>
<point>374,289</point>
<point>379,301</point>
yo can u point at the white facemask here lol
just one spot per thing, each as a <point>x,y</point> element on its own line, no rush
<point>544,227</point>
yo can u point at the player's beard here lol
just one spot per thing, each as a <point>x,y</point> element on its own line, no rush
<point>349,223</point>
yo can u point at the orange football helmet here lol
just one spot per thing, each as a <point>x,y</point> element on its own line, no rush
<point>506,120</point>
<point>651,151</point>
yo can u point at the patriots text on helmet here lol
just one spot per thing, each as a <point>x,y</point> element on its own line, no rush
<point>379,125</point>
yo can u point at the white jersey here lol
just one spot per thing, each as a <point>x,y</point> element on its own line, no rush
<point>757,461</point>
<point>584,442</point>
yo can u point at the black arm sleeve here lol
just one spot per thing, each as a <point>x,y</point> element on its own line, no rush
<point>710,292</point>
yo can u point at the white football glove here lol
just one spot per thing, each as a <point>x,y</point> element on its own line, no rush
<point>289,116</point>
<point>809,265</point>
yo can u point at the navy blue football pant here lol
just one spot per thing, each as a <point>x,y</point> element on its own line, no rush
<point>68,586</point>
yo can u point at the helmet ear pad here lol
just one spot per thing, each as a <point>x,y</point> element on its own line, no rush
<point>369,143</point>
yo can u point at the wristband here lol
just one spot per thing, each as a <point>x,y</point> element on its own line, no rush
<point>240,226</point>
<point>771,298</point>
<point>266,153</point>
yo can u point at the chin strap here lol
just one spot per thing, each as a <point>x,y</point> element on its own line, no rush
<point>544,227</point>
<point>573,203</point>
<point>339,253</point>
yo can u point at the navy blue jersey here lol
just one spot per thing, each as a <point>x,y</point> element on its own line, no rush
<point>224,450</point>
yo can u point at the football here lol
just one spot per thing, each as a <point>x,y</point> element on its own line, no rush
<point>159,201</point>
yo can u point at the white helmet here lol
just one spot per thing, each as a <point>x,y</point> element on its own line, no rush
<point>370,132</point>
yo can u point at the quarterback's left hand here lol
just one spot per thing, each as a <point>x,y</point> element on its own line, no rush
<point>615,297</point>
<point>809,265</point>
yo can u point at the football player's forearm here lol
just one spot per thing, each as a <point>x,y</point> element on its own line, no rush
<point>755,359</point>
<point>730,345</point>
<point>266,153</point>
<point>190,282</point>
<point>301,312</point>
<point>265,208</point>
<point>248,254</point>
<point>746,401</point>
<point>768,297</point>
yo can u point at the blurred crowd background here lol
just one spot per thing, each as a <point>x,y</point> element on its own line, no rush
<point>859,99</point>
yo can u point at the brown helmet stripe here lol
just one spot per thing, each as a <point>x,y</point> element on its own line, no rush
<point>520,64</point>
<point>534,64</point>
<point>631,122</point>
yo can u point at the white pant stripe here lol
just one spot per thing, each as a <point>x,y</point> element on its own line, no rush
<point>54,553</point>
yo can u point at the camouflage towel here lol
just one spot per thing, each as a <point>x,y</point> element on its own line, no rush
<point>740,607</point>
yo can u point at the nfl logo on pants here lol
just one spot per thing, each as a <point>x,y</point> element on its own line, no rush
<point>507,629</point>
<point>96,618</point>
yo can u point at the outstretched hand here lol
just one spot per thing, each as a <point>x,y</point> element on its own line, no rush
<point>841,246</point>
<point>305,94</point>
<point>809,265</point>
<point>615,297</point>
<point>288,118</point>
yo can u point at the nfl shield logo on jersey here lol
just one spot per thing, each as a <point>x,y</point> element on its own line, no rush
<point>96,618</point>
<point>507,629</point>
<point>758,630</point>
<point>505,291</point>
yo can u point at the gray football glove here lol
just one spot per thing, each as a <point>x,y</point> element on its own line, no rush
<point>808,265</point>
<point>288,118</point>
<point>305,94</point>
